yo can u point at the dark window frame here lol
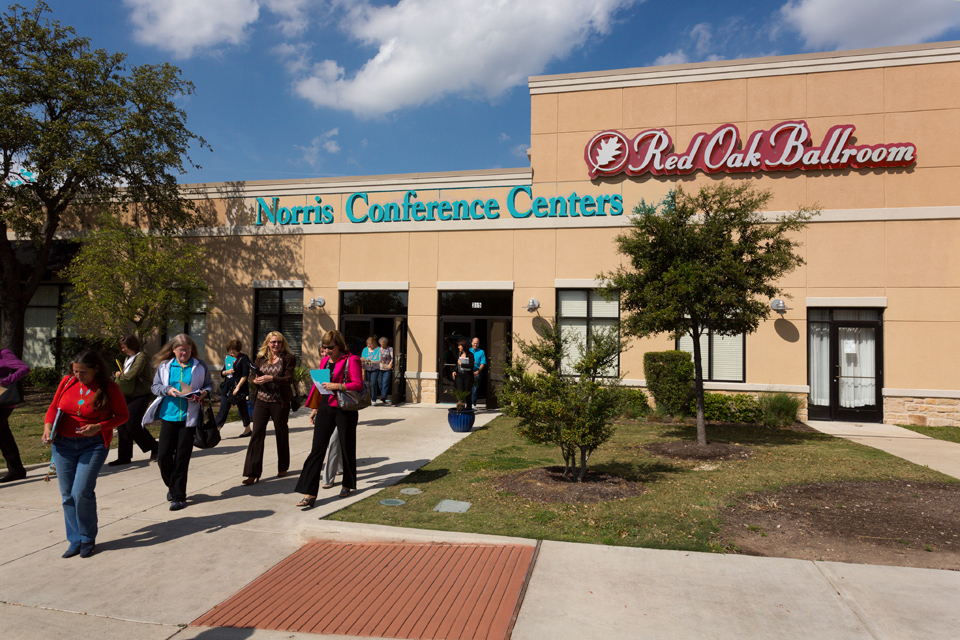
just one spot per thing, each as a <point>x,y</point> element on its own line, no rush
<point>295,346</point>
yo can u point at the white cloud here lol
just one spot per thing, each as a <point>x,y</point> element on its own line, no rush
<point>675,57</point>
<point>430,48</point>
<point>183,27</point>
<point>853,24</point>
<point>293,14</point>
<point>325,142</point>
<point>701,42</point>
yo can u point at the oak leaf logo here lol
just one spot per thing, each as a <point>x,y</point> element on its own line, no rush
<point>609,149</point>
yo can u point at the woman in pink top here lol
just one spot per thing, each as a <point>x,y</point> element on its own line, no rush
<point>90,405</point>
<point>11,370</point>
<point>345,373</point>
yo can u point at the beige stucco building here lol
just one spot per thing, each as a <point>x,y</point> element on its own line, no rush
<point>872,330</point>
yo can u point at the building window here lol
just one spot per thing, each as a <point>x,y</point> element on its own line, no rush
<point>195,327</point>
<point>279,310</point>
<point>43,327</point>
<point>722,356</point>
<point>581,313</point>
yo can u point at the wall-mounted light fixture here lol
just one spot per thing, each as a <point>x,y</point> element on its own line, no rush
<point>779,306</point>
<point>317,303</point>
<point>533,304</point>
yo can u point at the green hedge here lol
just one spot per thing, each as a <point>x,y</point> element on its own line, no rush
<point>633,402</point>
<point>43,377</point>
<point>739,407</point>
<point>669,377</point>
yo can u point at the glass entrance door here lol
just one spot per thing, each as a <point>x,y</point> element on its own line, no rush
<point>845,364</point>
<point>858,394</point>
<point>451,332</point>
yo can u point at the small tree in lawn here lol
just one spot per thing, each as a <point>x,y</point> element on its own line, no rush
<point>570,405</point>
<point>123,277</point>
<point>704,262</point>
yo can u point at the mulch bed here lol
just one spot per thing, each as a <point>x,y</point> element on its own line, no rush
<point>898,523</point>
<point>547,484</point>
<point>686,450</point>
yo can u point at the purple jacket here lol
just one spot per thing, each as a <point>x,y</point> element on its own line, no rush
<point>11,369</point>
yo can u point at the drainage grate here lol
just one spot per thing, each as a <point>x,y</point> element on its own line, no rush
<point>384,590</point>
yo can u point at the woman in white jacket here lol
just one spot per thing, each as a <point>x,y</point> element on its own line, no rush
<point>181,384</point>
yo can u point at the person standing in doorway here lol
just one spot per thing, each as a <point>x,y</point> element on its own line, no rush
<point>386,371</point>
<point>479,368</point>
<point>134,380</point>
<point>11,370</point>
<point>370,359</point>
<point>463,373</point>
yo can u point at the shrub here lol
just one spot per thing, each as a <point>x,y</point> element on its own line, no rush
<point>779,409</point>
<point>738,407</point>
<point>65,349</point>
<point>669,377</point>
<point>43,377</point>
<point>633,402</point>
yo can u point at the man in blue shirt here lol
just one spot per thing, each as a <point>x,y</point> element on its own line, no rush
<point>479,364</point>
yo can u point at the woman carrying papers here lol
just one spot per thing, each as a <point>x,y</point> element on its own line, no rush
<point>345,373</point>
<point>181,384</point>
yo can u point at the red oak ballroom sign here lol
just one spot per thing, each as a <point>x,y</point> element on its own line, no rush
<point>784,147</point>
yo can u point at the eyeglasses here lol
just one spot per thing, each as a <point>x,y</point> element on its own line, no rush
<point>274,342</point>
<point>328,347</point>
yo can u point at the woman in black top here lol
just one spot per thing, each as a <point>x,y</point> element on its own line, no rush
<point>134,379</point>
<point>233,389</point>
<point>463,372</point>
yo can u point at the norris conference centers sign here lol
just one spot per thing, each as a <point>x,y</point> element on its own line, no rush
<point>784,147</point>
<point>520,204</point>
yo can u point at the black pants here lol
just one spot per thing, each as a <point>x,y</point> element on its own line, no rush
<point>173,456</point>
<point>262,412</point>
<point>226,398</point>
<point>134,431</point>
<point>464,382</point>
<point>8,446</point>
<point>328,419</point>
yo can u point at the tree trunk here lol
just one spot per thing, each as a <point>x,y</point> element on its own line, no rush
<point>12,321</point>
<point>584,455</point>
<point>698,386</point>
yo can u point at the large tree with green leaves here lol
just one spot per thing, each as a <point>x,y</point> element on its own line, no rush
<point>124,277</point>
<point>704,262</point>
<point>81,135</point>
<point>563,393</point>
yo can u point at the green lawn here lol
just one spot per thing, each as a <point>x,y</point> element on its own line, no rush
<point>950,434</point>
<point>679,510</point>
<point>26,424</point>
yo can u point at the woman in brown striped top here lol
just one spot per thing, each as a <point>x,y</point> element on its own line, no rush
<point>273,374</point>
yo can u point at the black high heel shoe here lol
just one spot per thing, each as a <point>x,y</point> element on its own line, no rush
<point>307,502</point>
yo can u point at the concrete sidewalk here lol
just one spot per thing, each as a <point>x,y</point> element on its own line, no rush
<point>939,455</point>
<point>157,570</point>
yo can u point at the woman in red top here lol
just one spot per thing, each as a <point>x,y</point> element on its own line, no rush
<point>345,373</point>
<point>90,405</point>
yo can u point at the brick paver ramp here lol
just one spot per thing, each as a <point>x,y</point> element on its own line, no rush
<point>385,590</point>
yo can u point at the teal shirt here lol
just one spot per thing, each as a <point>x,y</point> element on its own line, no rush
<point>175,409</point>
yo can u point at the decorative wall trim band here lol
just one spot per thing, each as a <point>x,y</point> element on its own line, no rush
<point>373,286</point>
<point>756,67</point>
<point>950,394</point>
<point>738,387</point>
<point>421,375</point>
<point>848,301</point>
<point>475,285</point>
<point>277,284</point>
<point>398,182</point>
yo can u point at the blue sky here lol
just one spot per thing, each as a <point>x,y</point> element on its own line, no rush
<point>293,89</point>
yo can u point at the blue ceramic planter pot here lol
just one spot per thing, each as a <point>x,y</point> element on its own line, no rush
<point>461,421</point>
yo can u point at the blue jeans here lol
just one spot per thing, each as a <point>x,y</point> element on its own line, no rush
<point>386,376</point>
<point>373,379</point>
<point>476,386</point>
<point>78,462</point>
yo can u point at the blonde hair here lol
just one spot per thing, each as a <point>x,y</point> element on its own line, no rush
<point>265,352</point>
<point>166,351</point>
